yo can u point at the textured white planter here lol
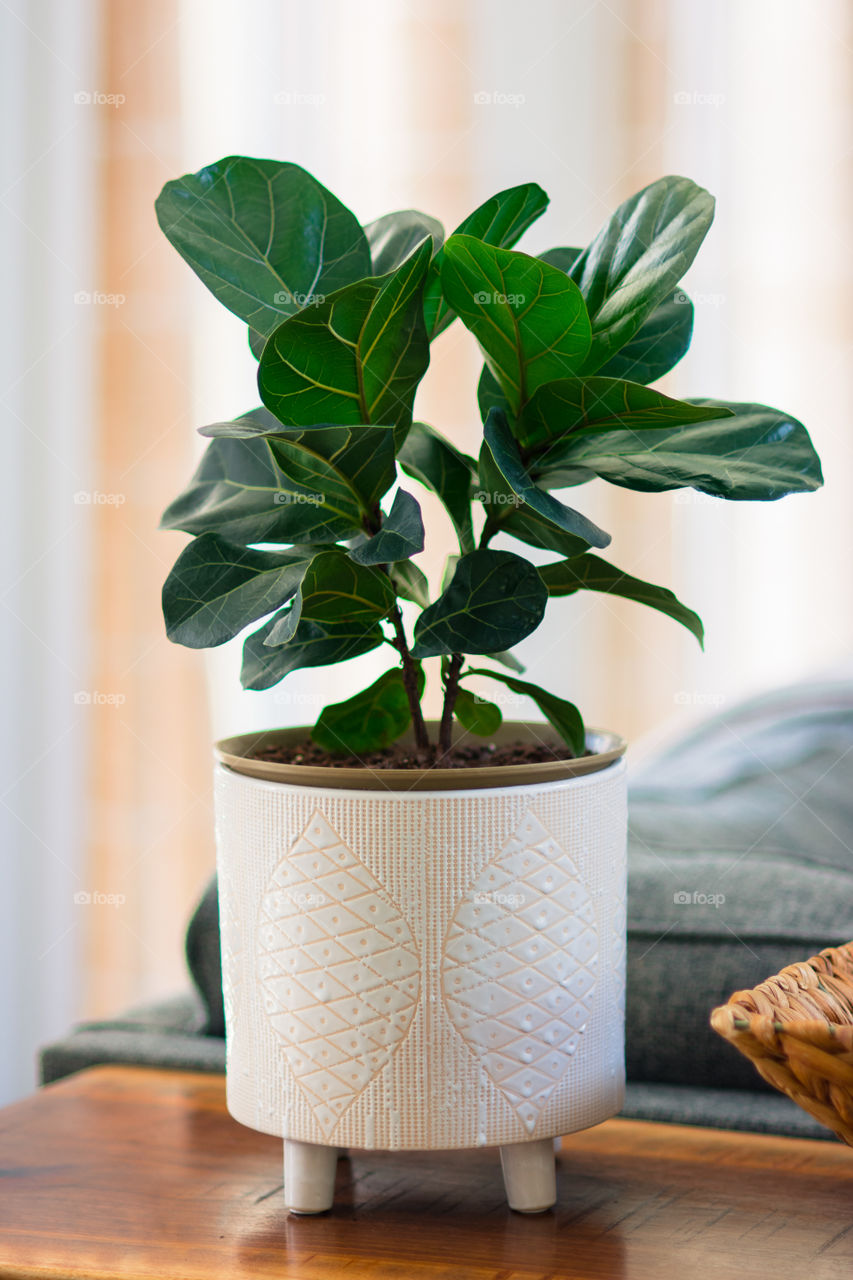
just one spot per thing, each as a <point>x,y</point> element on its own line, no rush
<point>423,969</point>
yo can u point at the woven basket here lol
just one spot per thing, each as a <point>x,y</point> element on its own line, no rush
<point>797,1028</point>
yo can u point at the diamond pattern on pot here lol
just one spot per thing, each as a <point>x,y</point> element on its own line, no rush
<point>338,968</point>
<point>519,968</point>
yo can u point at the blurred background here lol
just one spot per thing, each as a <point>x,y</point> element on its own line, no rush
<point>112,354</point>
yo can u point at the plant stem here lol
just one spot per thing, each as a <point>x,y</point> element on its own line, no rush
<point>410,679</point>
<point>490,528</point>
<point>451,689</point>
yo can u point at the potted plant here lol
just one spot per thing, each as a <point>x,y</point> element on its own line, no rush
<point>423,925</point>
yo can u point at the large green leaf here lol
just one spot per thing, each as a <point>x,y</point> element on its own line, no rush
<point>637,258</point>
<point>500,221</point>
<point>563,715</point>
<point>494,600</point>
<point>598,404</point>
<point>758,454</point>
<point>265,237</point>
<point>426,456</point>
<point>333,587</point>
<point>314,644</point>
<point>591,573</point>
<point>370,720</point>
<point>239,492</point>
<point>217,588</point>
<point>658,344</point>
<point>501,447</point>
<point>396,235</point>
<point>528,317</point>
<point>343,470</point>
<point>401,535</point>
<point>357,357</point>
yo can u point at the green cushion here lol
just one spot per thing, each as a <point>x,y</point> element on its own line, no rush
<point>739,864</point>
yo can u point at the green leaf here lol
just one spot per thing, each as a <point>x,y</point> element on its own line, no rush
<point>658,344</point>
<point>263,236</point>
<point>394,236</point>
<point>503,448</point>
<point>500,221</point>
<point>591,573</point>
<point>239,492</point>
<point>758,454</point>
<point>489,394</point>
<point>561,257</point>
<point>529,318</point>
<point>428,457</point>
<point>477,714</point>
<point>637,258</point>
<point>561,409</point>
<point>343,470</point>
<point>256,343</point>
<point>218,588</point>
<point>494,600</point>
<point>410,582</point>
<point>368,721</point>
<point>529,526</point>
<point>357,357</point>
<point>450,563</point>
<point>334,616</point>
<point>253,425</point>
<point>564,716</point>
<point>352,467</point>
<point>507,659</point>
<point>333,588</point>
<point>401,535</point>
<point>314,644</point>
<point>507,513</point>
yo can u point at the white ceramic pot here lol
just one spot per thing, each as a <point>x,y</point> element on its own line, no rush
<point>423,968</point>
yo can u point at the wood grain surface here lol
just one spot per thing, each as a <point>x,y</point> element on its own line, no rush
<point>133,1172</point>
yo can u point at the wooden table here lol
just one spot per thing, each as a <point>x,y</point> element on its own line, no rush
<point>125,1171</point>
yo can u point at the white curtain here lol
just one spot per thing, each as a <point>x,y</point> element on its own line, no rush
<point>47,205</point>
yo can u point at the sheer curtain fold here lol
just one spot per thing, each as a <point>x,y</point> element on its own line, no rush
<point>151,839</point>
<point>47,373</point>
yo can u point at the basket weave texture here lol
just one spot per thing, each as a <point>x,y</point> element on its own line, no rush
<point>797,1028</point>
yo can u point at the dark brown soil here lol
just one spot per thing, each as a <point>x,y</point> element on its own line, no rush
<point>473,756</point>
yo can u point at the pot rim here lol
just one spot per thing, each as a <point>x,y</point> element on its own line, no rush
<point>235,753</point>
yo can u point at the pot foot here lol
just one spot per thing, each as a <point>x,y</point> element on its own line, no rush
<point>309,1176</point>
<point>529,1175</point>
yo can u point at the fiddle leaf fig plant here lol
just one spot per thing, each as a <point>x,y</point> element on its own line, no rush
<point>305,510</point>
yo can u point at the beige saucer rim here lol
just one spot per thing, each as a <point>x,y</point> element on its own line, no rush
<point>237,754</point>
